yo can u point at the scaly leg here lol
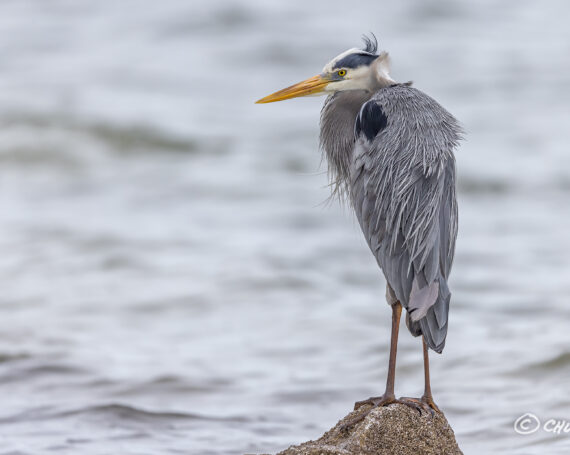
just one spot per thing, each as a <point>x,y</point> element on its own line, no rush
<point>388,397</point>
<point>426,401</point>
<point>427,397</point>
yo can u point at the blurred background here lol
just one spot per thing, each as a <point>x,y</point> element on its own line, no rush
<point>172,278</point>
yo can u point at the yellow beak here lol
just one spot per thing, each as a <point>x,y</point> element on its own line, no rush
<point>309,86</point>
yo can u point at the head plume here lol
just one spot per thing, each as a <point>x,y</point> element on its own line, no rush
<point>370,43</point>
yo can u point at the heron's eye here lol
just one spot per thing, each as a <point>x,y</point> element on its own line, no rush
<point>341,73</point>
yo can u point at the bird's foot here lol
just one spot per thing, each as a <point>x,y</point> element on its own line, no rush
<point>425,403</point>
<point>376,402</point>
<point>373,402</point>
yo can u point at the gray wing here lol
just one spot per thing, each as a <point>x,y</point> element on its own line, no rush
<point>403,192</point>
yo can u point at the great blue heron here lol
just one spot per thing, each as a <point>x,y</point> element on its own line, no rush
<point>389,149</point>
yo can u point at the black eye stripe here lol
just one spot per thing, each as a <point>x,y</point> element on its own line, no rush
<point>354,61</point>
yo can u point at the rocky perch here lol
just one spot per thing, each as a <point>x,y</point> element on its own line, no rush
<point>394,429</point>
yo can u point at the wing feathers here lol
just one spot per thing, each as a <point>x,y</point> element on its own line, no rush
<point>403,191</point>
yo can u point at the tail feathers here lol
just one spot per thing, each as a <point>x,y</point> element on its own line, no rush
<point>422,299</point>
<point>433,326</point>
<point>433,333</point>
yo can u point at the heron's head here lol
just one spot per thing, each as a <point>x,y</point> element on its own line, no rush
<point>354,69</point>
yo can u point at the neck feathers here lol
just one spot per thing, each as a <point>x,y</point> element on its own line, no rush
<point>337,135</point>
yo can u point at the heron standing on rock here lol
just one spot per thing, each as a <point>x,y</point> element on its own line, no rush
<point>389,149</point>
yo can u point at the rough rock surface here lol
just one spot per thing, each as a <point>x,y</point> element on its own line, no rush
<point>394,429</point>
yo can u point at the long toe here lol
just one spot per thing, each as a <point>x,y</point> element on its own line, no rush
<point>418,404</point>
<point>373,402</point>
<point>383,400</point>
<point>428,401</point>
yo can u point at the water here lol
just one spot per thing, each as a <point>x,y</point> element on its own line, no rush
<point>172,280</point>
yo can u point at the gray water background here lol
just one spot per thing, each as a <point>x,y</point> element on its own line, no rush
<point>172,278</point>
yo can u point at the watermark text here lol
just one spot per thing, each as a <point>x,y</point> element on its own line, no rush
<point>529,423</point>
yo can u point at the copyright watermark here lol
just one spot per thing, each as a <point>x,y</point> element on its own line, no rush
<point>529,423</point>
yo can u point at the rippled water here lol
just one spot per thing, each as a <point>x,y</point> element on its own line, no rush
<point>172,280</point>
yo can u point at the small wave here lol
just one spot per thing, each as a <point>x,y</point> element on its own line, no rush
<point>559,362</point>
<point>125,412</point>
<point>119,138</point>
<point>134,414</point>
<point>555,364</point>
<point>15,452</point>
<point>38,371</point>
<point>12,357</point>
<point>230,17</point>
<point>115,412</point>
<point>132,138</point>
<point>309,395</point>
<point>472,185</point>
<point>173,385</point>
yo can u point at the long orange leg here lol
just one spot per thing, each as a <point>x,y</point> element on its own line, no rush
<point>427,398</point>
<point>426,401</point>
<point>388,397</point>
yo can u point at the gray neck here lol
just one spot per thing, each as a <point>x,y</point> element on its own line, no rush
<point>337,134</point>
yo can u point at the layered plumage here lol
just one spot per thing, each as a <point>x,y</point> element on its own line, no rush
<point>391,153</point>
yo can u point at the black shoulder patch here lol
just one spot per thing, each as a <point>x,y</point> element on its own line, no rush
<point>370,120</point>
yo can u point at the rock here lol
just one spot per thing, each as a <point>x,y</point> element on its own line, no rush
<point>394,429</point>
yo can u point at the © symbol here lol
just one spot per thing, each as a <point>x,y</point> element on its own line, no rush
<point>527,424</point>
